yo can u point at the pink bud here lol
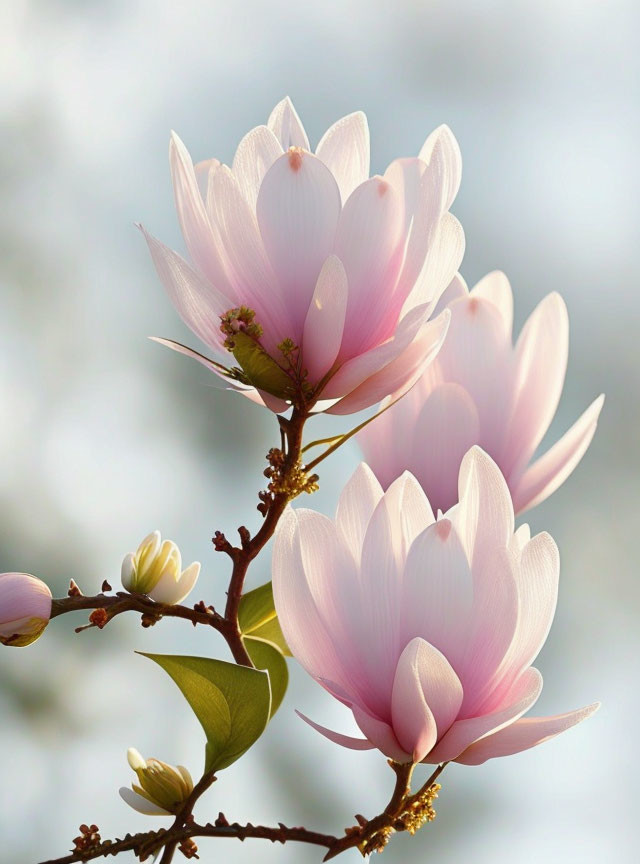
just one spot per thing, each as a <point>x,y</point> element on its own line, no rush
<point>25,608</point>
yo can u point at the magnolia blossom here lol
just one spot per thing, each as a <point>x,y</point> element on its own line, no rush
<point>25,608</point>
<point>156,569</point>
<point>312,279</point>
<point>163,788</point>
<point>482,390</point>
<point>425,628</point>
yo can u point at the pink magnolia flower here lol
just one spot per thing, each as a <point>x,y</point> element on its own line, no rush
<point>482,390</point>
<point>25,608</point>
<point>425,628</point>
<point>318,279</point>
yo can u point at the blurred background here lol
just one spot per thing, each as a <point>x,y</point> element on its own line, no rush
<point>105,436</point>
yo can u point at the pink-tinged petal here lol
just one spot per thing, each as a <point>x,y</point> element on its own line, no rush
<point>426,697</point>
<point>442,260</point>
<point>520,540</point>
<point>463,733</point>
<point>442,154</point>
<point>261,397</point>
<point>344,149</point>
<point>522,735</point>
<point>248,265</point>
<point>415,185</point>
<point>256,153</point>
<point>198,303</point>
<point>298,208</point>
<point>494,619</point>
<point>478,356</point>
<point>205,361</point>
<point>455,289</point>
<point>485,518</point>
<point>300,619</point>
<point>287,127</point>
<point>381,734</point>
<point>201,238</point>
<point>438,591</point>
<point>23,597</point>
<point>446,428</point>
<point>398,375</point>
<point>537,573</point>
<point>495,288</point>
<point>202,170</point>
<point>354,372</point>
<point>411,512</point>
<point>357,502</point>
<point>370,242</point>
<point>343,740</point>
<point>541,356</point>
<point>550,471</point>
<point>324,324</point>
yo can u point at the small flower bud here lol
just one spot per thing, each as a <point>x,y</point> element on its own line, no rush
<point>163,789</point>
<point>25,608</point>
<point>156,569</point>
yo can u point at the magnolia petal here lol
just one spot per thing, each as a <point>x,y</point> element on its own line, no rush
<point>298,207</point>
<point>287,127</point>
<point>337,738</point>
<point>485,517</point>
<point>495,288</point>
<point>442,154</point>
<point>256,153</point>
<point>198,303</point>
<point>167,590</point>
<point>550,471</point>
<point>357,502</point>
<point>438,591</point>
<point>441,263</point>
<point>455,289</point>
<point>427,695</point>
<point>401,372</point>
<point>463,733</point>
<point>541,355</point>
<point>370,242</point>
<point>255,282</point>
<point>142,805</point>
<point>524,734</point>
<point>447,426</point>
<point>201,239</point>
<point>381,735</point>
<point>344,148</point>
<point>324,324</point>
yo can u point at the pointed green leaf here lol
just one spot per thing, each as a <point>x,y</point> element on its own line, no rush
<point>231,702</point>
<point>257,617</point>
<point>261,369</point>
<point>266,655</point>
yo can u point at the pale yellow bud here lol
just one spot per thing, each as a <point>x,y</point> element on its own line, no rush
<point>156,569</point>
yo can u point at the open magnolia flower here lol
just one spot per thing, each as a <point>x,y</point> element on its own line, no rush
<point>25,608</point>
<point>156,569</point>
<point>163,788</point>
<point>482,390</point>
<point>425,628</point>
<point>312,281</point>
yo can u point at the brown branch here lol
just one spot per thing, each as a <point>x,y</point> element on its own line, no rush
<point>122,601</point>
<point>152,841</point>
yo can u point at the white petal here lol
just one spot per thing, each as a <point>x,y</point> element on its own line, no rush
<point>286,126</point>
<point>256,153</point>
<point>357,502</point>
<point>442,154</point>
<point>344,149</point>
<point>141,804</point>
<point>324,324</point>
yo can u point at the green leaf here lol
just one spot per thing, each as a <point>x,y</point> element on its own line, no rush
<point>266,655</point>
<point>261,369</point>
<point>233,703</point>
<point>257,617</point>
